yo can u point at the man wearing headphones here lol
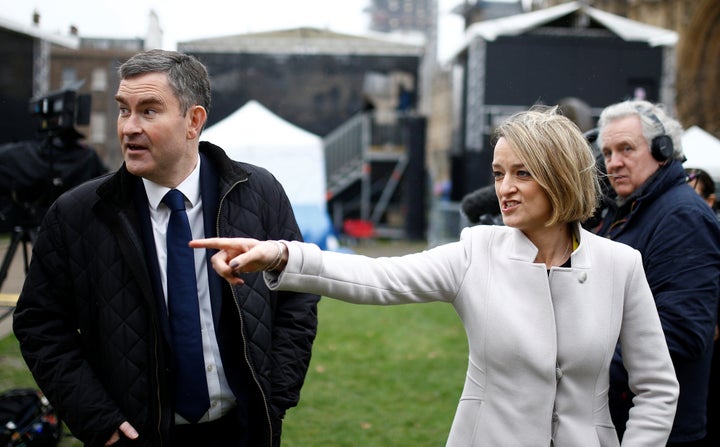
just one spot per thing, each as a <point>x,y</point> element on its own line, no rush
<point>658,213</point>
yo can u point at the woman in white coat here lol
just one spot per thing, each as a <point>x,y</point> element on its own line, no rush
<point>543,301</point>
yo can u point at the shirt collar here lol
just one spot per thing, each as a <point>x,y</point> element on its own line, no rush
<point>190,187</point>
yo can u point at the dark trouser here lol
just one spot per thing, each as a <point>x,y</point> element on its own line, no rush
<point>224,432</point>
<point>620,402</point>
<point>713,410</point>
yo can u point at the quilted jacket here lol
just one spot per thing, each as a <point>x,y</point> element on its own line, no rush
<point>88,320</point>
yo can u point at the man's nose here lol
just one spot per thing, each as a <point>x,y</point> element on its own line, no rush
<point>130,125</point>
<point>613,162</point>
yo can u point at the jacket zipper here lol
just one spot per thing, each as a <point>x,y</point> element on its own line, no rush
<point>159,398</point>
<point>242,323</point>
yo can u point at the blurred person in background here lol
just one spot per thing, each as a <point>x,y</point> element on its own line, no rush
<point>704,185</point>
<point>659,214</point>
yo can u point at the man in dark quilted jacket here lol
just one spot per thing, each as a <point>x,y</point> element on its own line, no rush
<point>93,319</point>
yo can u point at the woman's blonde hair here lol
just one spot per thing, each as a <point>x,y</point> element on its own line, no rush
<point>559,158</point>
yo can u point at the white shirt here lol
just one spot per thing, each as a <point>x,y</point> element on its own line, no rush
<point>221,397</point>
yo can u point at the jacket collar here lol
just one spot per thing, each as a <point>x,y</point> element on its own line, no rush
<point>668,176</point>
<point>522,249</point>
<point>119,188</point>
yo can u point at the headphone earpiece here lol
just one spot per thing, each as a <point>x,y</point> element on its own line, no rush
<point>662,147</point>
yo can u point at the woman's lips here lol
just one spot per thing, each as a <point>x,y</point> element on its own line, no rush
<point>510,205</point>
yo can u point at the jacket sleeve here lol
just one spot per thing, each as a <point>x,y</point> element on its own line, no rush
<point>432,275</point>
<point>650,370</point>
<point>50,342</point>
<point>683,265</point>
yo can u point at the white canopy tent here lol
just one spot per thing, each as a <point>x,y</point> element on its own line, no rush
<point>253,134</point>
<point>702,151</point>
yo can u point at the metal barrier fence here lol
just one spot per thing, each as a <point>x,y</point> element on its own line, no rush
<point>446,222</point>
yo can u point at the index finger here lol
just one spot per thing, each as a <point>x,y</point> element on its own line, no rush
<point>218,243</point>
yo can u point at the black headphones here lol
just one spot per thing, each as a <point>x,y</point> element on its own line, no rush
<point>661,146</point>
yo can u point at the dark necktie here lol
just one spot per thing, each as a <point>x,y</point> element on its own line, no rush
<point>191,394</point>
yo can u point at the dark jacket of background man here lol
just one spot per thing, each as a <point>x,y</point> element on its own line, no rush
<point>679,238</point>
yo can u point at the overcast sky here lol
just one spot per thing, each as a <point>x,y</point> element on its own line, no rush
<point>181,20</point>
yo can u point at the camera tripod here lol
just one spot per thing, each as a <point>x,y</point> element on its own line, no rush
<point>25,215</point>
<point>21,235</point>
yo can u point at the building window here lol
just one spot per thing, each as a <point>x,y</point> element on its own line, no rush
<point>69,76</point>
<point>98,124</point>
<point>99,80</point>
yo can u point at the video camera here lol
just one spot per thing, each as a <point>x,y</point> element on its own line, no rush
<point>33,173</point>
<point>61,111</point>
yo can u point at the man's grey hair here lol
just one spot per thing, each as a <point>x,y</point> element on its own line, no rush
<point>655,122</point>
<point>188,77</point>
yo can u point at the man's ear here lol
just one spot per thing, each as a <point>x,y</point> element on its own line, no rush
<point>197,116</point>
<point>711,200</point>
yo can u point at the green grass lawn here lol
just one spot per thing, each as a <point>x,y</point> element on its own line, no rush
<point>380,376</point>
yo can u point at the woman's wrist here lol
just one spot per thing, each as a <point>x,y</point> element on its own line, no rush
<point>279,262</point>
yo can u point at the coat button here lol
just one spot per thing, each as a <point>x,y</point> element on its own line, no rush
<point>558,373</point>
<point>582,277</point>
